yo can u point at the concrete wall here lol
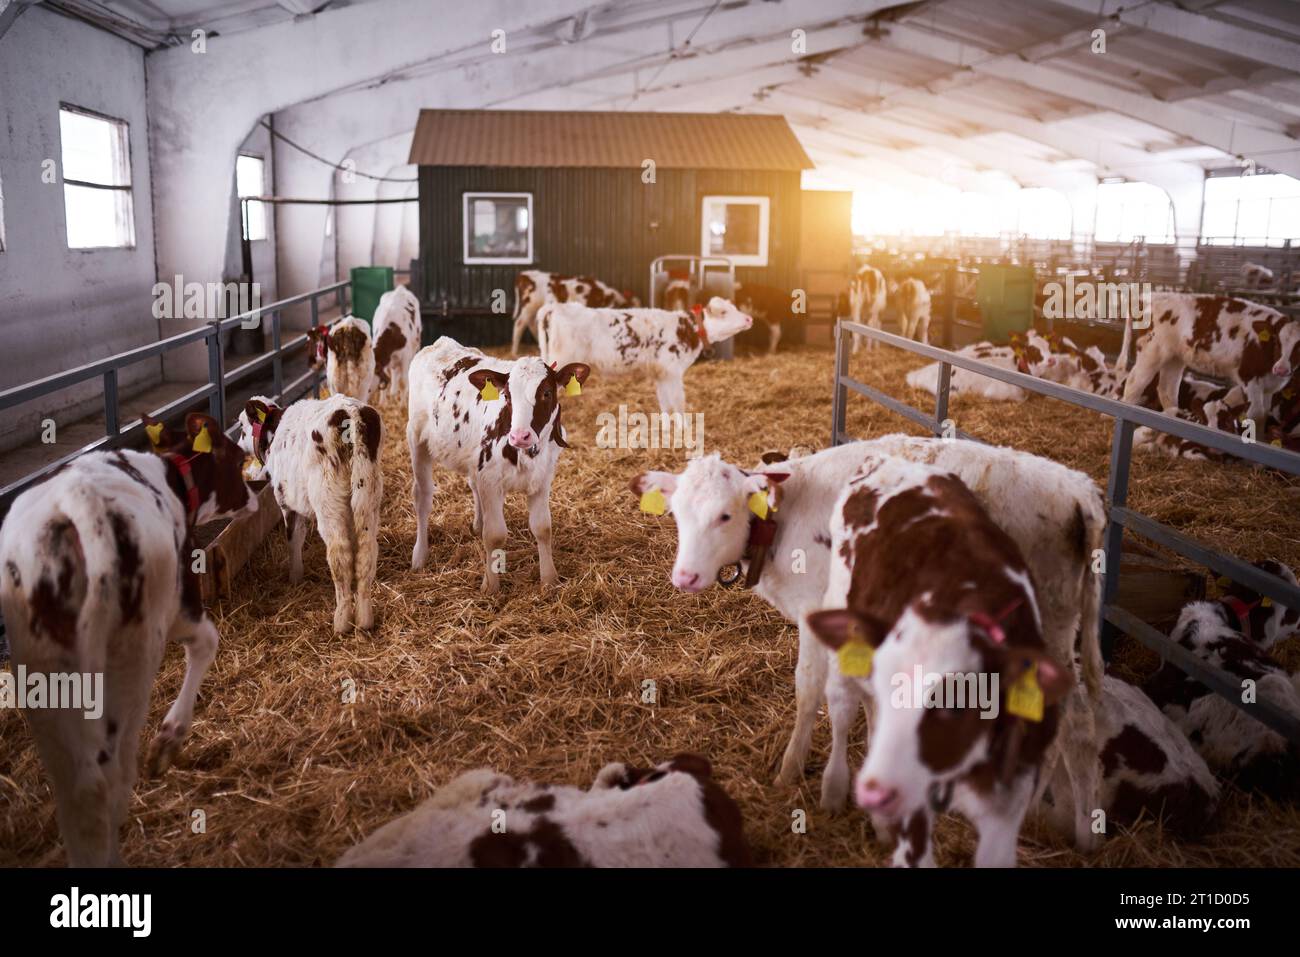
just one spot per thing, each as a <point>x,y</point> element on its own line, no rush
<point>62,307</point>
<point>259,143</point>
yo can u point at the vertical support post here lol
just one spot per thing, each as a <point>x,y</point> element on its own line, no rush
<point>245,244</point>
<point>941,397</point>
<point>840,395</point>
<point>315,321</point>
<point>1121,453</point>
<point>111,424</point>
<point>277,363</point>
<point>216,374</point>
<point>950,302</point>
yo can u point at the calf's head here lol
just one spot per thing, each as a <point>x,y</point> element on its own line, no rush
<point>258,423</point>
<point>917,745</point>
<point>710,502</point>
<point>722,320</point>
<point>1263,620</point>
<point>531,391</point>
<point>209,469</point>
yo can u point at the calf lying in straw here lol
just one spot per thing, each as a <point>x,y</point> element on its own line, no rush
<point>674,815</point>
<point>322,459</point>
<point>97,577</point>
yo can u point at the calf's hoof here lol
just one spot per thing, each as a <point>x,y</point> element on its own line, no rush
<point>164,749</point>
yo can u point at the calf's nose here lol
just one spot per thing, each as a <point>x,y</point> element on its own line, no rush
<point>875,797</point>
<point>687,581</point>
<point>1282,370</point>
<point>521,438</point>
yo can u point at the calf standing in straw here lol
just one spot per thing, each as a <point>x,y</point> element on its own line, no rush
<point>348,354</point>
<point>497,423</point>
<point>397,340</point>
<point>322,458</point>
<point>95,578</point>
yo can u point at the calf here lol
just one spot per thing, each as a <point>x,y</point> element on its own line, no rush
<point>397,339</point>
<point>497,423</point>
<point>912,300</point>
<point>1235,634</point>
<point>348,354</point>
<point>1147,766</point>
<point>322,459</point>
<point>534,288</point>
<point>766,305</point>
<point>867,293</point>
<point>1252,346</point>
<point>787,561</point>
<point>673,815</point>
<point>1203,403</point>
<point>652,342</point>
<point>962,611</point>
<point>97,577</point>
<point>1255,276</point>
<point>1032,356</point>
<point>677,296</point>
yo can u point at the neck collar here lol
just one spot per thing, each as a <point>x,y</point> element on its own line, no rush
<point>185,477</point>
<point>700,331</point>
<point>762,532</point>
<point>1241,611</point>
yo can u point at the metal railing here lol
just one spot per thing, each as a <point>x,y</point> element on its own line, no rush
<point>1120,516</point>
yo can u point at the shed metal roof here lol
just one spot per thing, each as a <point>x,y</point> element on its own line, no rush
<point>530,138</point>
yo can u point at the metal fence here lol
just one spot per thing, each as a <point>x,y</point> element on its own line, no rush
<point>1126,419</point>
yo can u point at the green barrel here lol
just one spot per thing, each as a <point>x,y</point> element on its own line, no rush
<point>368,284</point>
<point>1006,299</point>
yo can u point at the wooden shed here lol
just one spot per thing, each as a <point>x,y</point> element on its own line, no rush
<point>600,194</point>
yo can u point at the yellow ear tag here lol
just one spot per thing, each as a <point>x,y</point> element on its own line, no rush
<point>489,392</point>
<point>758,504</point>
<point>261,415</point>
<point>574,387</point>
<point>1266,602</point>
<point>1276,443</point>
<point>202,442</point>
<point>154,432</point>
<point>653,502</point>
<point>1288,393</point>
<point>855,658</point>
<point>1265,335</point>
<point>1223,581</point>
<point>1025,699</point>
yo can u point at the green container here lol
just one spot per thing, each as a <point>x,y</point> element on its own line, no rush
<point>368,284</point>
<point>1006,299</point>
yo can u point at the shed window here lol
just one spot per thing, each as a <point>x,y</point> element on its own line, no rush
<point>735,227</point>
<point>1260,210</point>
<point>96,180</point>
<point>498,228</point>
<point>250,180</point>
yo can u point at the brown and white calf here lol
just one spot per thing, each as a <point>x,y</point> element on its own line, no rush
<point>940,601</point>
<point>97,576</point>
<point>497,423</point>
<point>672,815</point>
<point>1031,356</point>
<point>1148,768</point>
<point>867,294</point>
<point>1255,276</point>
<point>397,339</point>
<point>1235,633</point>
<point>655,343</point>
<point>677,296</point>
<point>348,355</point>
<point>912,300</point>
<point>321,457</point>
<point>767,306</point>
<point>1252,346</point>
<point>1060,534</point>
<point>534,288</point>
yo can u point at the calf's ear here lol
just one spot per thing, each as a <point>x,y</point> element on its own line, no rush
<point>837,626</point>
<point>665,482</point>
<point>481,377</point>
<point>1054,680</point>
<point>578,370</point>
<point>772,456</point>
<point>256,410</point>
<point>160,437</point>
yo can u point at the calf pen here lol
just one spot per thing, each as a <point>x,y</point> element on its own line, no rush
<point>1127,418</point>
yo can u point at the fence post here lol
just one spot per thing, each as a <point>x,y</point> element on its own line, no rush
<point>950,300</point>
<point>111,425</point>
<point>216,374</point>
<point>941,397</point>
<point>1121,452</point>
<point>840,395</point>
<point>277,364</point>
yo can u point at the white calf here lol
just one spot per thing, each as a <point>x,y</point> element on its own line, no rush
<point>497,423</point>
<point>1031,356</point>
<point>652,342</point>
<point>348,354</point>
<point>397,340</point>
<point>867,293</point>
<point>534,288</point>
<point>1059,535</point>
<point>96,580</point>
<point>322,460</point>
<point>674,815</point>
<point>912,299</point>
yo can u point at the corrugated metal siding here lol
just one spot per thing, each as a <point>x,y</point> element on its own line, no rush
<point>533,138</point>
<point>595,222</point>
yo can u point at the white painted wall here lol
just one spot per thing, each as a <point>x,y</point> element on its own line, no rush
<point>62,307</point>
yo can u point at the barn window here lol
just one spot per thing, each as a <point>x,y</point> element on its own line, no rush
<point>1260,210</point>
<point>250,180</point>
<point>1129,211</point>
<point>96,180</point>
<point>498,228</point>
<point>735,227</point>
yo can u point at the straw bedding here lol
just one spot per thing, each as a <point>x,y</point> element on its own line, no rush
<point>549,686</point>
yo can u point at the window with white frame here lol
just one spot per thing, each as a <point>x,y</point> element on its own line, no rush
<point>498,228</point>
<point>1259,210</point>
<point>735,227</point>
<point>96,180</point>
<point>250,180</point>
<point>1129,211</point>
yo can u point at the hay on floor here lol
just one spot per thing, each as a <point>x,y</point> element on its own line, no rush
<point>549,685</point>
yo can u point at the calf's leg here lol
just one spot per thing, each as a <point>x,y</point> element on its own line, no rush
<point>422,493</point>
<point>335,524</point>
<point>199,639</point>
<point>539,523</point>
<point>494,533</point>
<point>809,687</point>
<point>842,703</point>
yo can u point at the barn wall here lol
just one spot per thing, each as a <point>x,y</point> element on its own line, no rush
<point>61,307</point>
<point>597,222</point>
